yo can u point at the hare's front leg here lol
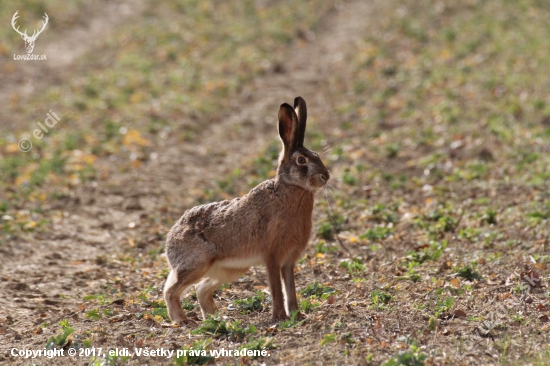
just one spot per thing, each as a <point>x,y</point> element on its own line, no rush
<point>275,286</point>
<point>290,289</point>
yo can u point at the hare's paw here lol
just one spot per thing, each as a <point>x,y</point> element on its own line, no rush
<point>280,316</point>
<point>190,323</point>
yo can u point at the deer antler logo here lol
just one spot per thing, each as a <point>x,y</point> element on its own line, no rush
<point>29,41</point>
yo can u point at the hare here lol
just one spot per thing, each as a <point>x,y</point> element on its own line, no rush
<point>270,225</point>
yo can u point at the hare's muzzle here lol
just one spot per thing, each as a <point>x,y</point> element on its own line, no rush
<point>321,179</point>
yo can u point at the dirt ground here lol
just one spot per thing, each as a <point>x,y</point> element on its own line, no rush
<point>97,265</point>
<point>42,278</point>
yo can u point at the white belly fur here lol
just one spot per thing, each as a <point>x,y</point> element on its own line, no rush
<point>229,269</point>
<point>238,263</point>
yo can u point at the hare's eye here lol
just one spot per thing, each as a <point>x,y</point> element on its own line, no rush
<point>301,160</point>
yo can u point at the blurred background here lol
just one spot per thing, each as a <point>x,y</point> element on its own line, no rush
<point>432,116</point>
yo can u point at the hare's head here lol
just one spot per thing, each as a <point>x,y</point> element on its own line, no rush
<point>297,165</point>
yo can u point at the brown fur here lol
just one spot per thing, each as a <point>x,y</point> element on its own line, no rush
<point>270,225</point>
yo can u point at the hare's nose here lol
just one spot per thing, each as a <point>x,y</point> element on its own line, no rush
<point>325,177</point>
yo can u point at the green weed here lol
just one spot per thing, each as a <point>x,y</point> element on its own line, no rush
<point>292,322</point>
<point>252,304</point>
<point>468,273</point>
<point>197,354</point>
<point>353,266</point>
<point>61,339</point>
<point>317,291</point>
<point>214,326</point>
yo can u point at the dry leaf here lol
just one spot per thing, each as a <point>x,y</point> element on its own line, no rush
<point>134,137</point>
<point>378,324</point>
<point>460,313</point>
<point>12,148</point>
<point>30,225</point>
<point>420,247</point>
<point>77,262</point>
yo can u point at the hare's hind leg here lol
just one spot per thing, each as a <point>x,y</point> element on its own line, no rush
<point>176,283</point>
<point>216,276</point>
<point>205,290</point>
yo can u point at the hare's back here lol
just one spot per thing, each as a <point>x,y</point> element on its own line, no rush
<point>241,222</point>
<point>200,217</point>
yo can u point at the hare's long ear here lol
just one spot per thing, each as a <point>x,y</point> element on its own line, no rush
<point>288,128</point>
<point>301,112</point>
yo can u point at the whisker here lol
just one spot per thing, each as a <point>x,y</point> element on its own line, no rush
<point>329,206</point>
<point>331,188</point>
<point>325,151</point>
<point>326,189</point>
<point>326,147</point>
<point>333,197</point>
<point>328,203</point>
